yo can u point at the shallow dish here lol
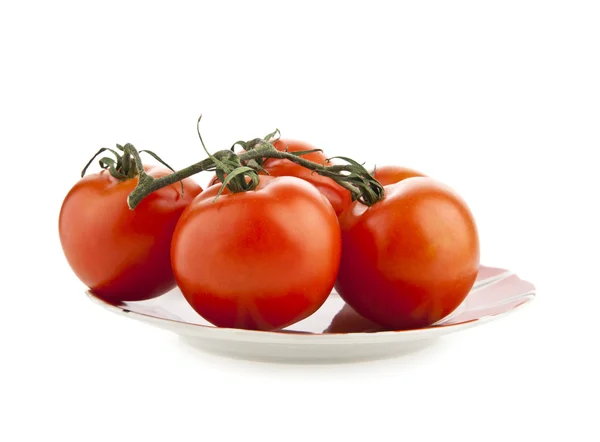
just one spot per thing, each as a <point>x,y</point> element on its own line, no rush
<point>335,332</point>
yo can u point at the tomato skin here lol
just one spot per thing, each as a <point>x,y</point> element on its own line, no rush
<point>122,254</point>
<point>410,259</point>
<point>387,175</point>
<point>284,144</point>
<point>338,197</point>
<point>268,259</point>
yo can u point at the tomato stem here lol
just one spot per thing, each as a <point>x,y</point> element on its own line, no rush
<point>234,170</point>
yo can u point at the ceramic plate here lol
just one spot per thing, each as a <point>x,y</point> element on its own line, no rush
<point>335,332</point>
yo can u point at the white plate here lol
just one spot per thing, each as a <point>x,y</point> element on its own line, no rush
<point>335,333</point>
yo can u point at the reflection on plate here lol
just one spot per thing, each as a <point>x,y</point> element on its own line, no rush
<point>335,332</point>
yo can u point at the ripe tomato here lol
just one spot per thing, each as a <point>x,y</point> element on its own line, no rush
<point>122,254</point>
<point>387,175</point>
<point>339,197</point>
<point>410,259</point>
<point>261,259</point>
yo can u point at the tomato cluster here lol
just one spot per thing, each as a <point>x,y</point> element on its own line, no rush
<point>268,257</point>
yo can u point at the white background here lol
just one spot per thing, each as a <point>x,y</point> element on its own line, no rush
<point>501,100</point>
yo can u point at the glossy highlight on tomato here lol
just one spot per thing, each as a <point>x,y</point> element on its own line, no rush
<point>122,254</point>
<point>410,259</point>
<point>261,259</point>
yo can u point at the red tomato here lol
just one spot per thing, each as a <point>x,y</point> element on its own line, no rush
<point>410,259</point>
<point>339,197</point>
<point>122,254</point>
<point>261,259</point>
<point>387,175</point>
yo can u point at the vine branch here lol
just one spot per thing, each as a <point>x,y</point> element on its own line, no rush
<point>353,176</point>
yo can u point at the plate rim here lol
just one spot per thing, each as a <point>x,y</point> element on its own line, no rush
<point>294,337</point>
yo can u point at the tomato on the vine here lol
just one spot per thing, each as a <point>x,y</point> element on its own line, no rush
<point>410,259</point>
<point>339,197</point>
<point>261,259</point>
<point>122,254</point>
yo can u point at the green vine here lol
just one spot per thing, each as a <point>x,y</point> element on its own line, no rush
<point>237,171</point>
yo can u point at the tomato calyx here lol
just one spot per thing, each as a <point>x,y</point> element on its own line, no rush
<point>229,169</point>
<point>368,190</point>
<point>271,138</point>
<point>126,163</point>
<point>121,167</point>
